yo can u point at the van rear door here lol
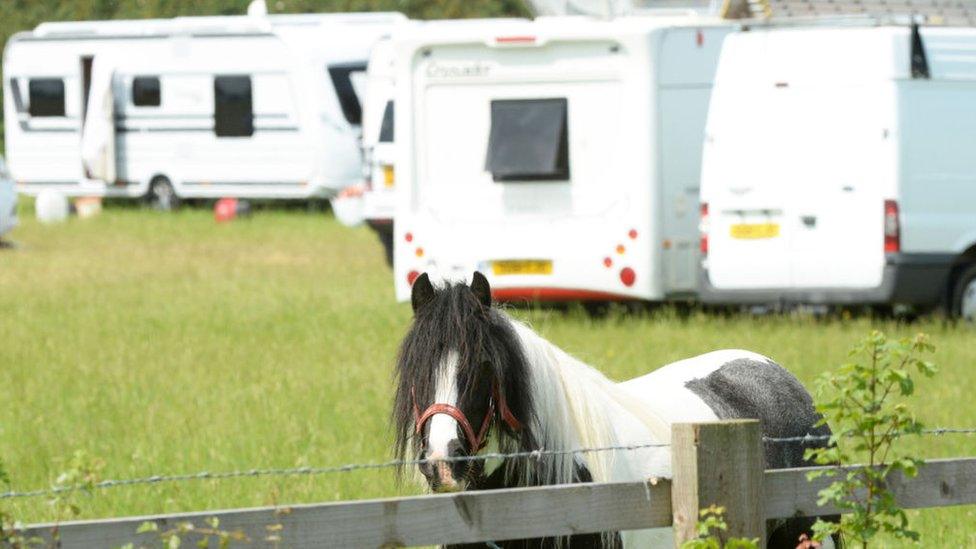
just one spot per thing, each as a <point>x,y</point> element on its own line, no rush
<point>747,197</point>
<point>838,238</point>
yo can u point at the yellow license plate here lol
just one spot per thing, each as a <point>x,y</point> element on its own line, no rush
<point>749,231</point>
<point>522,267</point>
<point>388,177</point>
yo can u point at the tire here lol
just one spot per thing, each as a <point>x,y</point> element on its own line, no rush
<point>964,295</point>
<point>161,195</point>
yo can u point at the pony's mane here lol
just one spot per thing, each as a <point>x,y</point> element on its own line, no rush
<point>562,403</point>
<point>580,398</point>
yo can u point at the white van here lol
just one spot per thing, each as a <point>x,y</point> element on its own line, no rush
<point>249,106</point>
<point>838,169</point>
<point>559,156</point>
<point>378,196</point>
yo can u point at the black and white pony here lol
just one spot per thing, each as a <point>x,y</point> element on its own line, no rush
<point>470,378</point>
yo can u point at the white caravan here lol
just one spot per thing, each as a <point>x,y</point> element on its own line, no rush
<point>559,156</point>
<point>838,168</point>
<point>378,193</point>
<point>8,202</point>
<point>249,106</point>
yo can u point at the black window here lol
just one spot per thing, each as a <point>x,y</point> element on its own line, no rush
<point>233,115</point>
<point>386,125</point>
<point>46,97</point>
<point>341,75</point>
<point>146,91</point>
<point>528,140</point>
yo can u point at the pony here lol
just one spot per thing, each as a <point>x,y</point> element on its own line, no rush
<point>469,378</point>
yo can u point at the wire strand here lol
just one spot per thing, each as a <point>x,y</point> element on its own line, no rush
<point>312,471</point>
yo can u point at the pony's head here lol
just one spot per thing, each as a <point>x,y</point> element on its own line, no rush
<point>462,382</point>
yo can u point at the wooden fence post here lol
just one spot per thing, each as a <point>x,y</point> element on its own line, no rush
<point>718,463</point>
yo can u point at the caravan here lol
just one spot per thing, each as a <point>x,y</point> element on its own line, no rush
<point>249,106</point>
<point>559,156</point>
<point>838,170</point>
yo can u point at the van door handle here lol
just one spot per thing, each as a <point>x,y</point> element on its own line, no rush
<point>810,221</point>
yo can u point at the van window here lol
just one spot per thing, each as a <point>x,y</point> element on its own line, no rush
<point>46,97</point>
<point>342,75</point>
<point>528,140</point>
<point>233,114</point>
<point>386,125</point>
<point>146,91</point>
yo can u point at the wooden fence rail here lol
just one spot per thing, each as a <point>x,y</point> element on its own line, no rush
<point>713,463</point>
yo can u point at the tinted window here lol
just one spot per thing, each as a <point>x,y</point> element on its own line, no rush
<point>528,140</point>
<point>46,97</point>
<point>145,91</point>
<point>233,115</point>
<point>341,75</point>
<point>386,126</point>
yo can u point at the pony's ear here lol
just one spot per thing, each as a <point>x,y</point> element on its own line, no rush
<point>481,289</point>
<point>422,293</point>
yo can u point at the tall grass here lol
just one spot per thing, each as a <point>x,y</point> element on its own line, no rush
<point>165,343</point>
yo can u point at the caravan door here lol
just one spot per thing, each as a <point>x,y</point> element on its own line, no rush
<point>98,134</point>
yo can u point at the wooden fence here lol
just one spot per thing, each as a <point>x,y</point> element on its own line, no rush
<point>713,463</point>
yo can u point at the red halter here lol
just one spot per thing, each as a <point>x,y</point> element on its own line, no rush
<point>477,441</point>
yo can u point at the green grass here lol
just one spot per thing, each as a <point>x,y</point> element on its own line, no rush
<point>169,344</point>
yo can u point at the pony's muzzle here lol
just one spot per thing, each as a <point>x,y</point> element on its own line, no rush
<point>443,473</point>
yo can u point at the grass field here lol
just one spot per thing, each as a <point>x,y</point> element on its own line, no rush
<point>168,344</point>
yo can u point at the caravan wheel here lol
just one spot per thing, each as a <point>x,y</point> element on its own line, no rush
<point>162,195</point>
<point>964,296</point>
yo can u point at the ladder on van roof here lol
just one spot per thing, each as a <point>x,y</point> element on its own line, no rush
<point>933,12</point>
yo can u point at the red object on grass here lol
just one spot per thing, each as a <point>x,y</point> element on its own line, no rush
<point>225,209</point>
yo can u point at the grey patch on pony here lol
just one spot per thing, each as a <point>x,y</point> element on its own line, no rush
<point>761,389</point>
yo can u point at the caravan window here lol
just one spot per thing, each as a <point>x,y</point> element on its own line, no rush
<point>46,97</point>
<point>146,91</point>
<point>528,140</point>
<point>233,114</point>
<point>342,75</point>
<point>386,125</point>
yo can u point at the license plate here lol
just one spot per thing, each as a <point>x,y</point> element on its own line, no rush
<point>522,267</point>
<point>750,231</point>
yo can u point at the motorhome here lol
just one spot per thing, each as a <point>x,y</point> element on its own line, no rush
<point>837,168</point>
<point>247,106</point>
<point>559,156</point>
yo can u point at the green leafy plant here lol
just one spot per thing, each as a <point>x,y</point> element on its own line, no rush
<point>864,404</point>
<point>711,523</point>
<point>10,527</point>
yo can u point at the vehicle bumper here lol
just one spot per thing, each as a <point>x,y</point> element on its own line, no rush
<point>907,278</point>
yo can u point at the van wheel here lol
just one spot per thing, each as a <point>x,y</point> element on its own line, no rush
<point>162,196</point>
<point>964,295</point>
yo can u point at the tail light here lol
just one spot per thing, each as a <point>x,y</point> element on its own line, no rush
<point>703,229</point>
<point>892,227</point>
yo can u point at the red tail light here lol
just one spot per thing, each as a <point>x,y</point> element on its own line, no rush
<point>703,229</point>
<point>628,276</point>
<point>892,227</point>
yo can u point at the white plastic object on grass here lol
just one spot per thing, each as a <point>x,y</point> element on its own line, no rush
<point>51,207</point>
<point>348,206</point>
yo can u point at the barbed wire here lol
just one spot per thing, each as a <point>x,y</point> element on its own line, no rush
<point>820,438</point>
<point>314,471</point>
